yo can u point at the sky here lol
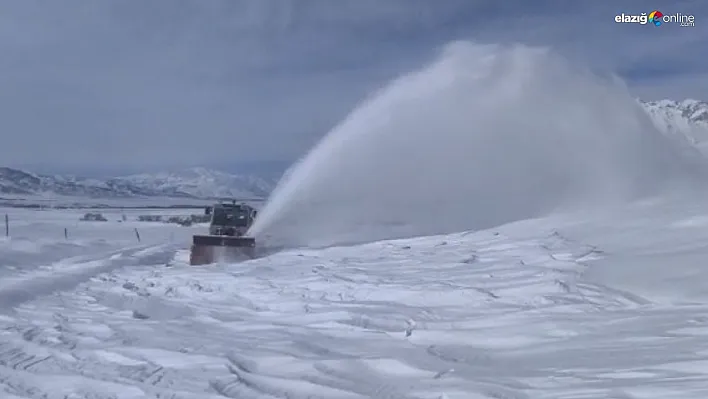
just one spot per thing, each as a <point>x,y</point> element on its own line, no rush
<point>113,86</point>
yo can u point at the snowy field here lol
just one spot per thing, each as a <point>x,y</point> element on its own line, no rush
<point>610,305</point>
<point>607,302</point>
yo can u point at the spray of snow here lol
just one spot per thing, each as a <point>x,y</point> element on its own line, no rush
<point>483,136</point>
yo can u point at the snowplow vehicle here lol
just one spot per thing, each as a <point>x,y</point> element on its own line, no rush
<point>226,239</point>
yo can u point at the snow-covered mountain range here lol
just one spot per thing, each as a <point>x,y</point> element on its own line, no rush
<point>203,183</point>
<point>189,183</point>
<point>687,119</point>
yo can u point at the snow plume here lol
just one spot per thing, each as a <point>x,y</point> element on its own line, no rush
<point>484,135</point>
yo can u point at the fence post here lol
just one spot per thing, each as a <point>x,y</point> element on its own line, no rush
<point>66,233</point>
<point>137,234</point>
<point>7,225</point>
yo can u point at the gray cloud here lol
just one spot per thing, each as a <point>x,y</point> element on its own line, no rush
<point>151,84</point>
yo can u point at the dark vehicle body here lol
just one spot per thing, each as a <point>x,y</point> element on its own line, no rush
<point>229,223</point>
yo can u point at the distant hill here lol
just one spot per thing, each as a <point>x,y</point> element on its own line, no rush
<point>201,183</point>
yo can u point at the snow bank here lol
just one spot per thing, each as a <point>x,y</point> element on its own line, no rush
<point>482,136</point>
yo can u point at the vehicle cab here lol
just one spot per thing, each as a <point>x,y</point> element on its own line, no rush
<point>230,219</point>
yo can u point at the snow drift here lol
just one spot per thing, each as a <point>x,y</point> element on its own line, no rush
<point>484,135</point>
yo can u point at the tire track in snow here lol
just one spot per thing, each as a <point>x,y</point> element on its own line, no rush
<point>65,275</point>
<point>333,326</point>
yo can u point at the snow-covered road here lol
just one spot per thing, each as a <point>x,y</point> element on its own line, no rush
<point>534,309</point>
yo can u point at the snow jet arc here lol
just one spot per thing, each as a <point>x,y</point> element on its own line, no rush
<point>484,135</point>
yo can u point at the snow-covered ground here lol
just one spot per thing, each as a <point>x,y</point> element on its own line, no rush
<point>603,297</point>
<point>601,305</point>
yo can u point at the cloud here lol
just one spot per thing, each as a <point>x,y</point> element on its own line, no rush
<point>156,84</point>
